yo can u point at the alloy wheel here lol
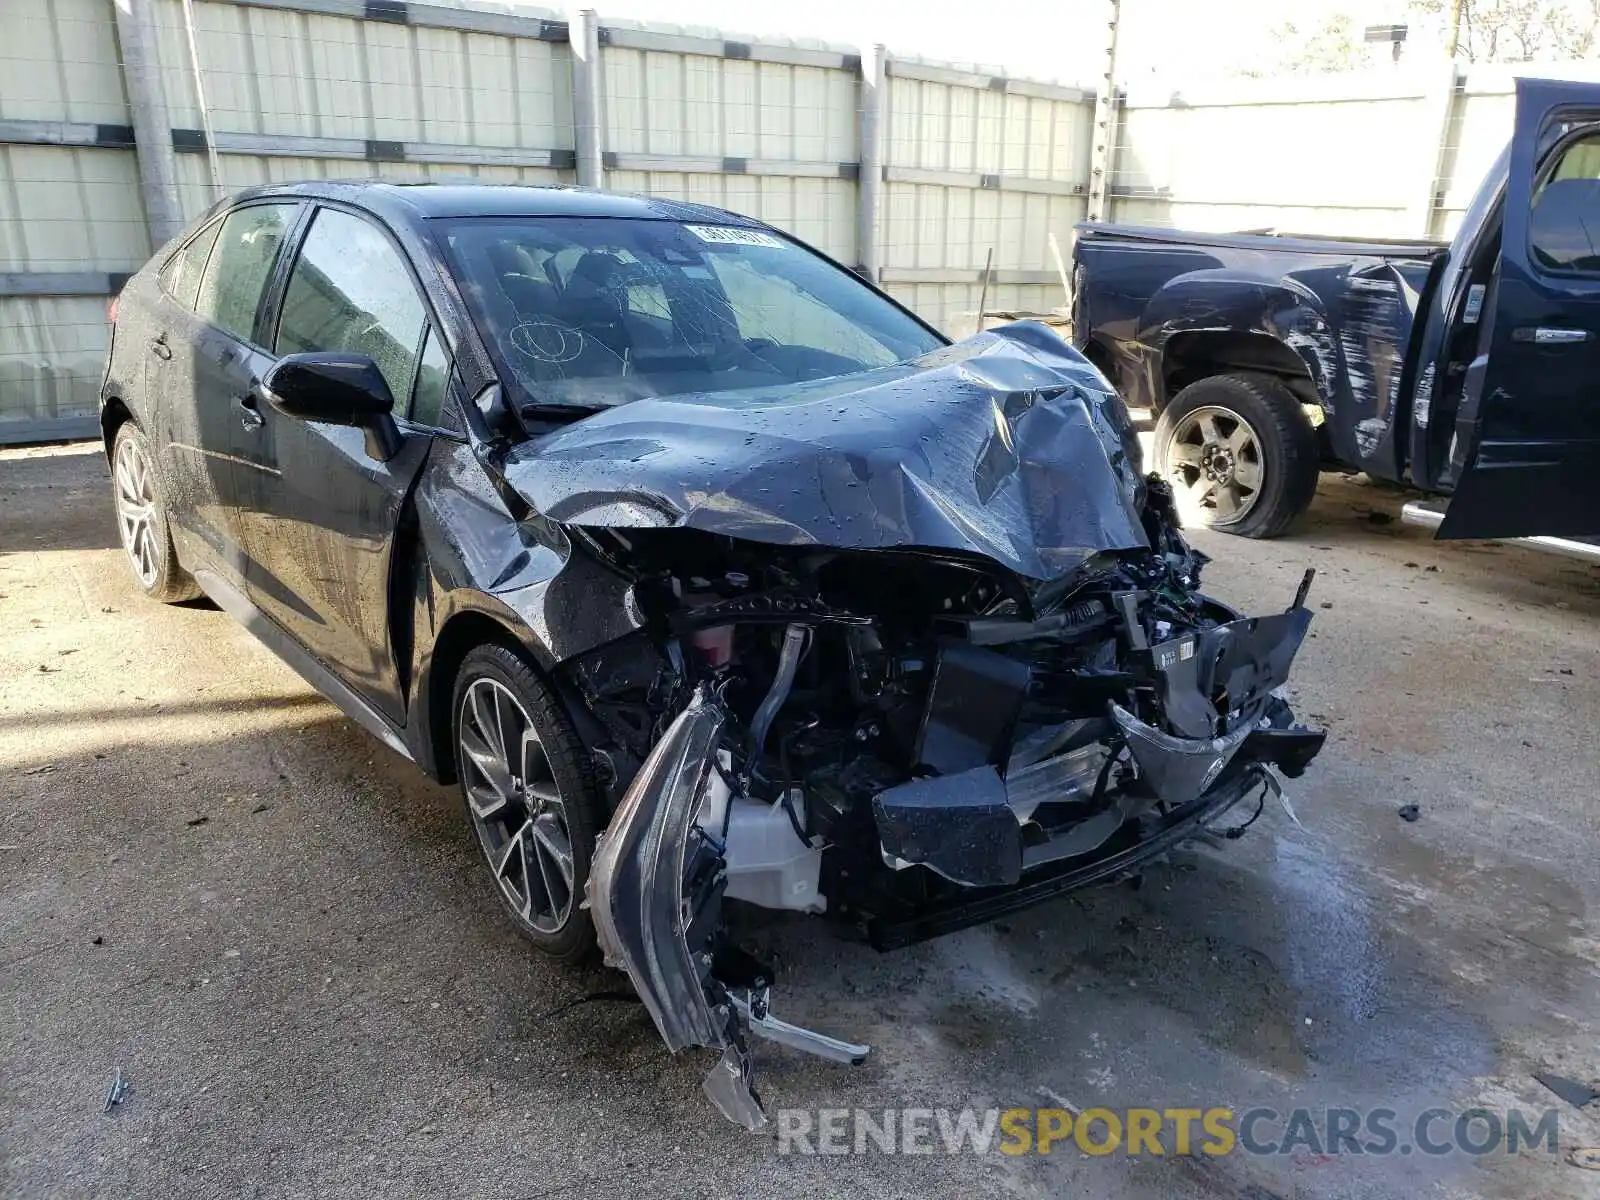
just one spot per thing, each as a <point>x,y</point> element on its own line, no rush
<point>136,510</point>
<point>516,805</point>
<point>1214,465</point>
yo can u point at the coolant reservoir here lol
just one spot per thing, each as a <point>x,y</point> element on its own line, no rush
<point>768,864</point>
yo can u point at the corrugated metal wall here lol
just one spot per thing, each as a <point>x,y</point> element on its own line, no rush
<point>64,210</point>
<point>319,89</point>
<point>675,119</point>
<point>973,163</point>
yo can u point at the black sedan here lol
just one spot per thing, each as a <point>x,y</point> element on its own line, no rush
<point>708,571</point>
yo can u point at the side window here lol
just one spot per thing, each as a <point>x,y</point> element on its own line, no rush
<point>1564,226</point>
<point>433,373</point>
<point>237,272</point>
<point>350,291</point>
<point>181,277</point>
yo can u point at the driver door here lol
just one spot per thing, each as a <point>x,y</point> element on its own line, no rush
<point>322,519</point>
<point>1527,437</point>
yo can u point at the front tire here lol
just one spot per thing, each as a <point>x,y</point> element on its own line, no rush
<point>530,794</point>
<point>142,520</point>
<point>1240,455</point>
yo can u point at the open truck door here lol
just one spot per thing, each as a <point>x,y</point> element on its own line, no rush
<point>1526,453</point>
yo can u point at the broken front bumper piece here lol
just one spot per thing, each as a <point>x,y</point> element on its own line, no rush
<point>655,893</point>
<point>982,828</point>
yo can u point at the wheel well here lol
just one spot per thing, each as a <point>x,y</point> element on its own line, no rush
<point>1100,358</point>
<point>1191,357</point>
<point>461,634</point>
<point>113,415</point>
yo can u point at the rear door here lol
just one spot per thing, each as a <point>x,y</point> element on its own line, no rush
<point>322,516</point>
<point>197,485</point>
<point>1527,438</point>
<point>220,358</point>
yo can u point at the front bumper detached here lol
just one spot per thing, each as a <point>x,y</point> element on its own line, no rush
<point>655,892</point>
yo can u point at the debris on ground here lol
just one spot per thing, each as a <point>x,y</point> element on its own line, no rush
<point>115,1093</point>
<point>1409,812</point>
<point>193,821</point>
<point>1574,1093</point>
<point>1060,1101</point>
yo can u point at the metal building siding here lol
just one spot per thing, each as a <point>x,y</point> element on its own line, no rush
<point>658,102</point>
<point>309,75</point>
<point>820,212</point>
<point>52,358</point>
<point>59,62</point>
<point>977,132</point>
<point>70,208</point>
<point>250,170</point>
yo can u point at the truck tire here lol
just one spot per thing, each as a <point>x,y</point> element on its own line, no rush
<point>1239,453</point>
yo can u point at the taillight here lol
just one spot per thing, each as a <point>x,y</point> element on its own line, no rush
<point>111,310</point>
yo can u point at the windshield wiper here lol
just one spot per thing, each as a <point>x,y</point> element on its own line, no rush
<point>547,411</point>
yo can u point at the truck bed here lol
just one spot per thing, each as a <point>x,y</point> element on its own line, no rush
<point>1306,243</point>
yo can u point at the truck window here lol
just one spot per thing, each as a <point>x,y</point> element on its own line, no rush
<point>1564,225</point>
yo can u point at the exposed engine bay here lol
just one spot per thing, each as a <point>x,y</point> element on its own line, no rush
<point>906,649</point>
<point>910,742</point>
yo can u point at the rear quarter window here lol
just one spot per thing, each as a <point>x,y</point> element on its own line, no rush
<point>180,278</point>
<point>240,264</point>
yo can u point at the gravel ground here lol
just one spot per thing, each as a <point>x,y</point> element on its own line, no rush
<point>280,934</point>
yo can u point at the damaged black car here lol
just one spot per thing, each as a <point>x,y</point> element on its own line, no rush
<point>711,574</point>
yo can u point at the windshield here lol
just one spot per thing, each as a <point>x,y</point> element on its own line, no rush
<point>598,311</point>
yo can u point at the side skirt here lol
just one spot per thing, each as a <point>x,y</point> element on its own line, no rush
<point>312,670</point>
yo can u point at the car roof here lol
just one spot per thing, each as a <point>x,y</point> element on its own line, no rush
<point>428,200</point>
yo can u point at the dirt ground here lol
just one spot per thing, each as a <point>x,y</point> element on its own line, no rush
<point>282,937</point>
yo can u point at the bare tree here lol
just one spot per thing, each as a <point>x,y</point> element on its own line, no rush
<point>1519,30</point>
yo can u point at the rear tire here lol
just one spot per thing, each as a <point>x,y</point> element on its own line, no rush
<point>136,489</point>
<point>529,789</point>
<point>1240,455</point>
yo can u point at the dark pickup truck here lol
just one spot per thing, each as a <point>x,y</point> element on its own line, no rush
<point>1470,369</point>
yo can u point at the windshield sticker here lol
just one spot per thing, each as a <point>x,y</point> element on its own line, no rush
<point>729,236</point>
<point>1474,307</point>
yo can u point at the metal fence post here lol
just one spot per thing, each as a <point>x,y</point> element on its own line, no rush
<point>1438,154</point>
<point>869,179</point>
<point>584,39</point>
<point>152,127</point>
<point>1103,136</point>
<point>212,159</point>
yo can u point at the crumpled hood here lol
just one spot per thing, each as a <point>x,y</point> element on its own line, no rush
<point>1008,444</point>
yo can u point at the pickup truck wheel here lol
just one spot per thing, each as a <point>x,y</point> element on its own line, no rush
<point>1239,454</point>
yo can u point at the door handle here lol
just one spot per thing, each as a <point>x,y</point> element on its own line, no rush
<point>159,347</point>
<point>1544,335</point>
<point>249,415</point>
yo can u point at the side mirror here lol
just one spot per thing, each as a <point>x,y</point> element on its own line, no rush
<point>336,389</point>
